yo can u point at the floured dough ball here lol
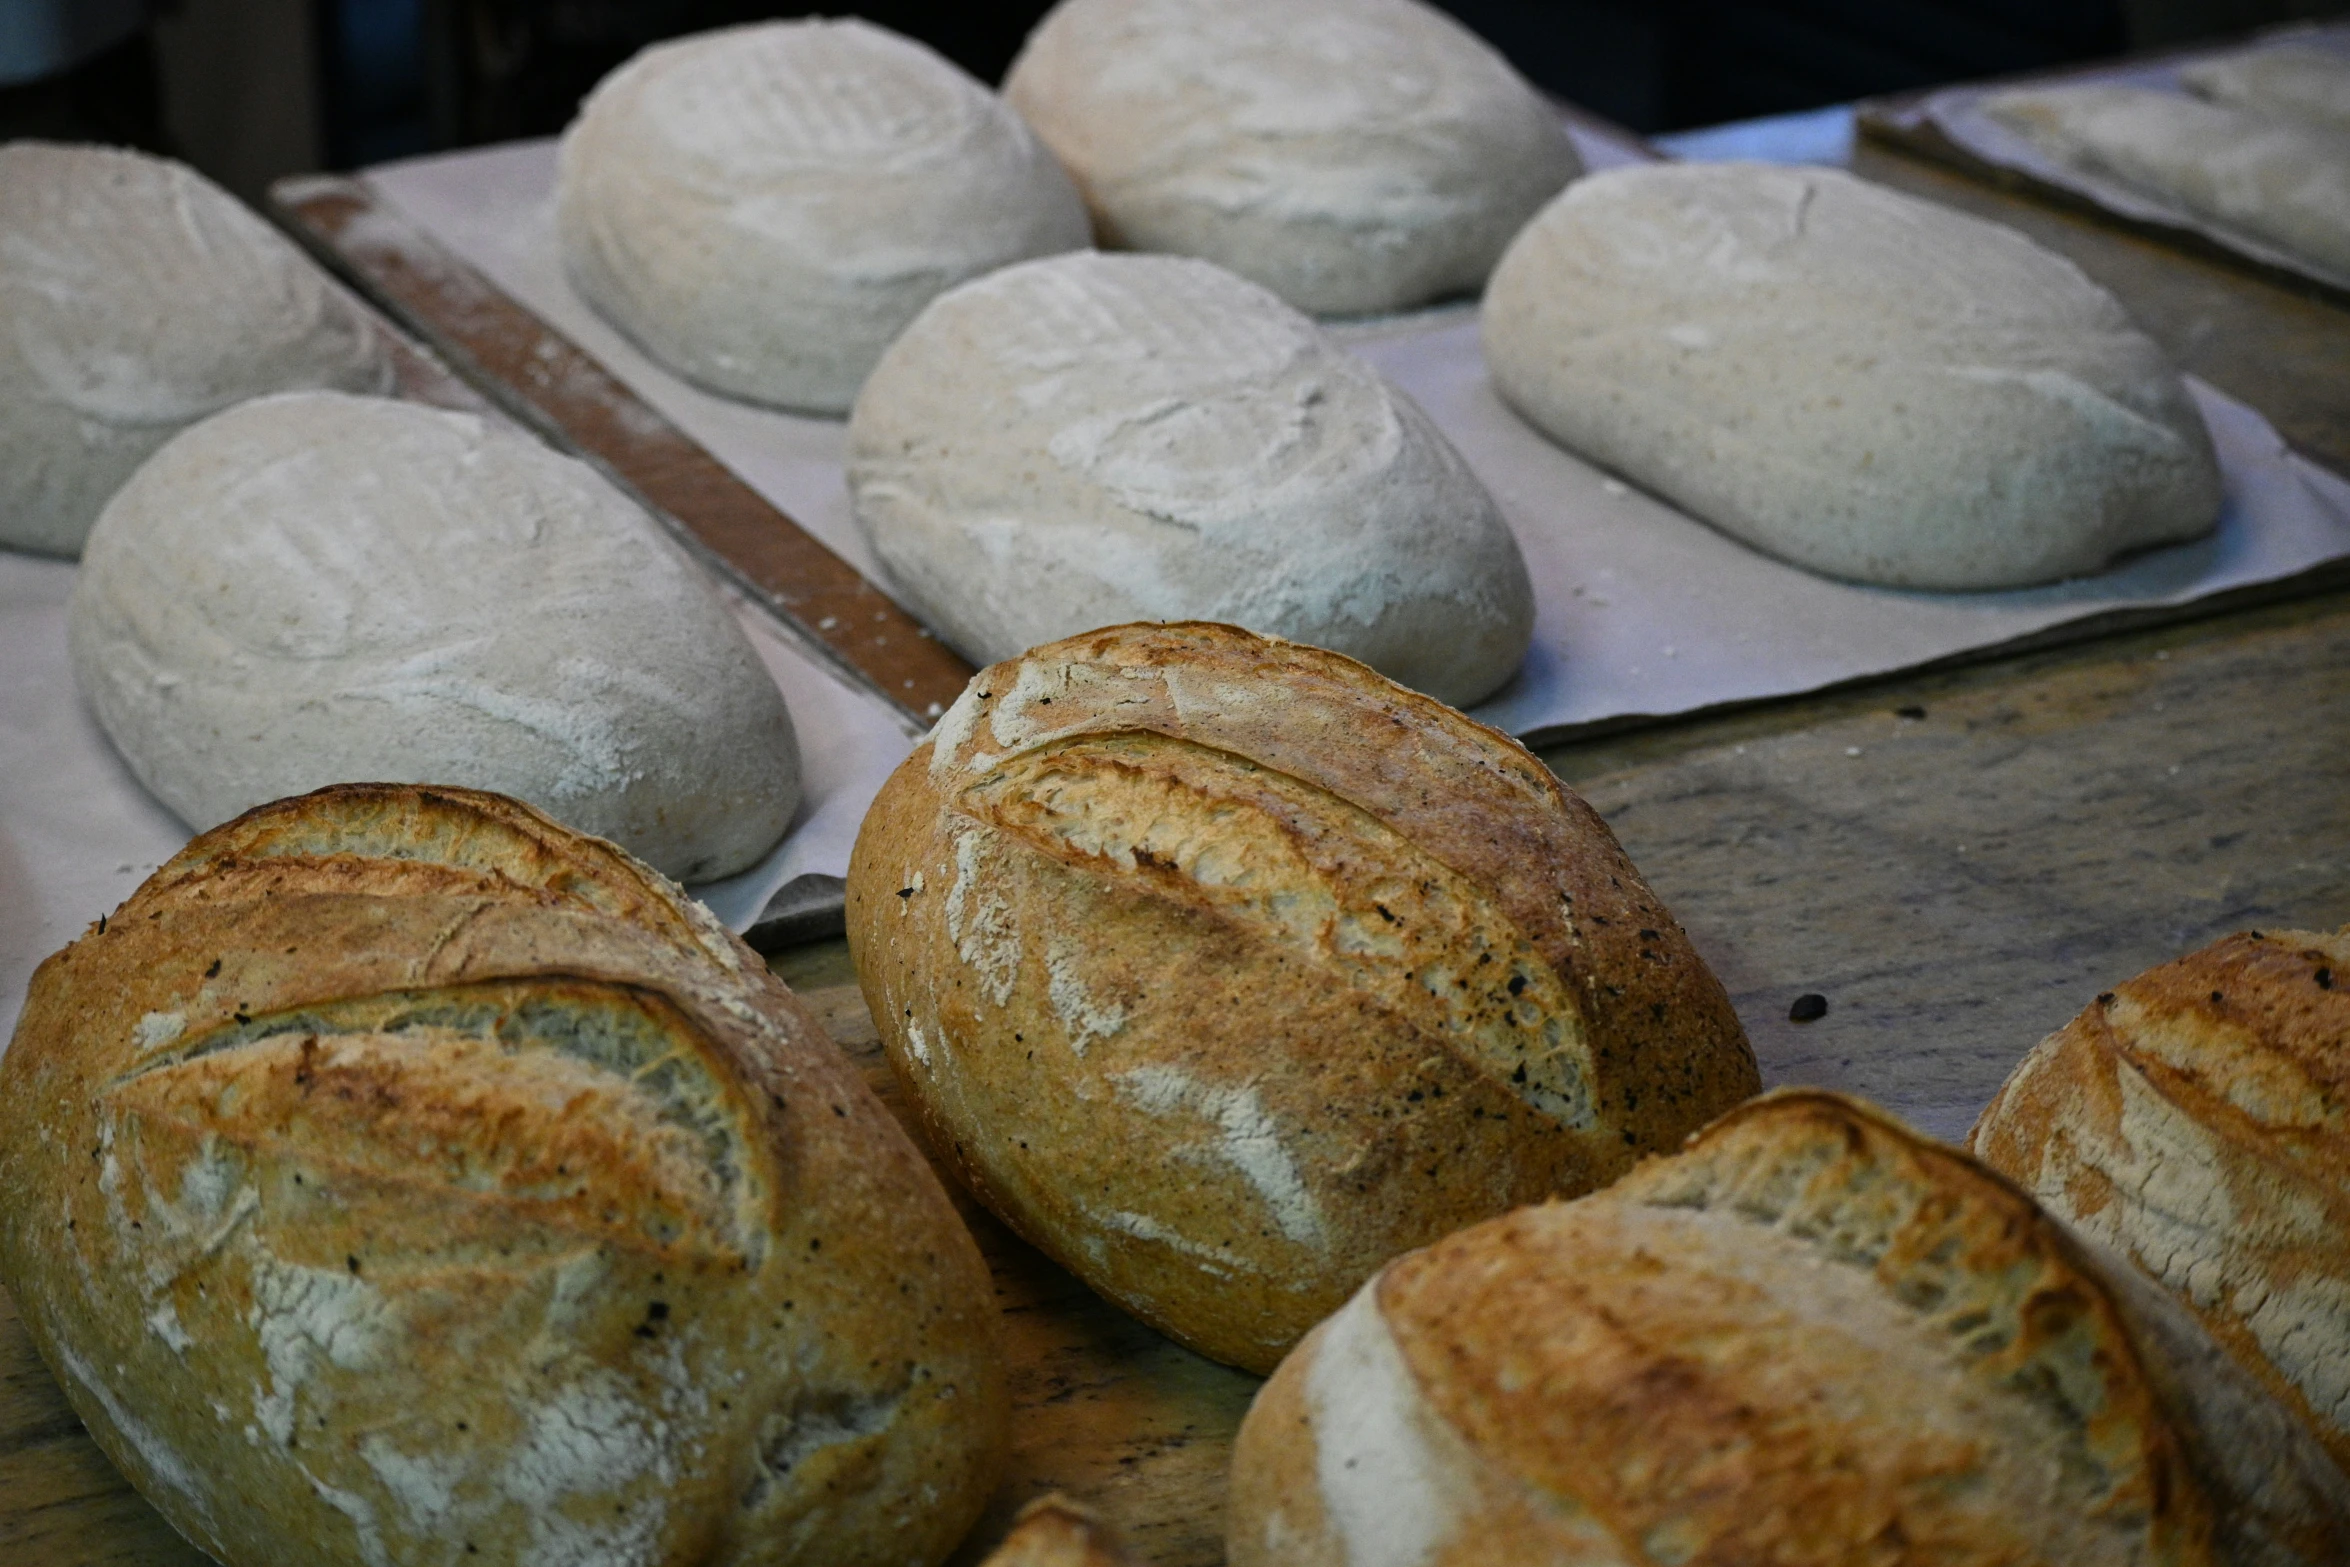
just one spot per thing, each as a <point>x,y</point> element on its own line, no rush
<point>1851,379</point>
<point>763,208</point>
<point>1812,1338</point>
<point>1094,439</point>
<point>2197,1120</point>
<point>401,1178</point>
<point>2276,180</point>
<point>1224,970</point>
<point>137,297</point>
<point>1350,155</point>
<point>2288,81</point>
<point>316,588</point>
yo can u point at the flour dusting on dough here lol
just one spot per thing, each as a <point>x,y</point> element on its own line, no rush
<point>1250,1142</point>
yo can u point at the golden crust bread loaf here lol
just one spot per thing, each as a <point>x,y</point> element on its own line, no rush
<point>399,1176</point>
<point>1812,1339</point>
<point>2197,1120</point>
<point>1054,1531</point>
<point>1225,969</point>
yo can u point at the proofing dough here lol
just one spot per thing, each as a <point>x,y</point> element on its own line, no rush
<point>136,297</point>
<point>1094,439</point>
<point>1850,379</point>
<point>315,588</point>
<point>1350,155</point>
<point>2275,180</point>
<point>2291,83</point>
<point>763,208</point>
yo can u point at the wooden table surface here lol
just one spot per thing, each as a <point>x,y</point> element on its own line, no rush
<point>1957,862</point>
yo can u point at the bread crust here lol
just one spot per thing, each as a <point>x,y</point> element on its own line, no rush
<point>1054,1531</point>
<point>2196,1119</point>
<point>1814,1337</point>
<point>400,1176</point>
<point>1181,898</point>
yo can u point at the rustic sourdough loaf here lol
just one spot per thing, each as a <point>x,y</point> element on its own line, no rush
<point>1224,970</point>
<point>1813,1339</point>
<point>139,297</point>
<point>1851,379</point>
<point>1349,155</point>
<point>401,1177</point>
<point>2197,1120</point>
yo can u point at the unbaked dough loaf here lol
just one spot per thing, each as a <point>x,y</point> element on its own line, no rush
<point>1851,379</point>
<point>399,1177</point>
<point>316,588</point>
<point>1350,155</point>
<point>1812,1339</point>
<point>2288,81</point>
<point>136,297</point>
<point>1093,439</point>
<point>2275,180</point>
<point>763,208</point>
<point>2197,1120</point>
<point>1224,970</point>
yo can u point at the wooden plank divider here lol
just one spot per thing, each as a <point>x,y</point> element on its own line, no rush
<point>540,376</point>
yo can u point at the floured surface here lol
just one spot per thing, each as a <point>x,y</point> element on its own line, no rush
<point>1958,114</point>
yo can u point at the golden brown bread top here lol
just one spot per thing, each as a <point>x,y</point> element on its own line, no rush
<point>2196,1118</point>
<point>388,1134</point>
<point>1817,1337</point>
<point>1463,794</point>
<point>1054,1531</point>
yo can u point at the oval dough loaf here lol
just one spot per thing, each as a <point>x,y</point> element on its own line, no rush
<point>2276,180</point>
<point>1224,970</point>
<point>315,588</point>
<point>1814,1338</point>
<point>1851,379</point>
<point>2197,1120</point>
<point>136,297</point>
<point>1350,155</point>
<point>1091,439</point>
<point>401,1177</point>
<point>763,208</point>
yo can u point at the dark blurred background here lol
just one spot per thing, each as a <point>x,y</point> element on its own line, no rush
<point>251,89</point>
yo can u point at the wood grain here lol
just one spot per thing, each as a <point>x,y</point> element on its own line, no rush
<point>543,378</point>
<point>1957,884</point>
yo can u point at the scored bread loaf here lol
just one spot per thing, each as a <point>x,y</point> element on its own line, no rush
<point>1224,970</point>
<point>400,1176</point>
<point>1814,1338</point>
<point>2197,1120</point>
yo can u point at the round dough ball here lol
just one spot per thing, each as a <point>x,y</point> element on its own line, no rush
<point>1094,439</point>
<point>398,1177</point>
<point>763,208</point>
<point>137,297</point>
<point>1851,379</point>
<point>315,588</point>
<point>1224,970</point>
<point>1350,155</point>
<point>1811,1338</point>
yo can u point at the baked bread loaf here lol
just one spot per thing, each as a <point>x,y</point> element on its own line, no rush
<point>139,297</point>
<point>315,588</point>
<point>2283,182</point>
<point>1224,970</point>
<point>400,1177</point>
<point>1853,380</point>
<point>2197,1121</point>
<point>1090,439</point>
<point>1813,1339</point>
<point>763,208</point>
<point>1349,155</point>
<point>1053,1531</point>
<point>2284,81</point>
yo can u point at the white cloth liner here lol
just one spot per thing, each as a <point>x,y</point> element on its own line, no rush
<point>1642,611</point>
<point>1958,113</point>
